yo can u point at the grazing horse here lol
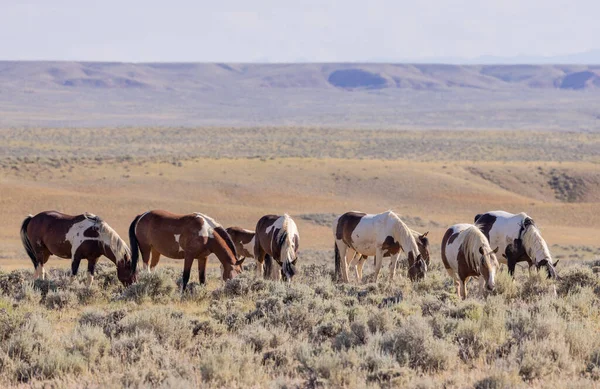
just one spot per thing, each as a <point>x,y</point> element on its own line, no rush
<point>78,237</point>
<point>376,235</point>
<point>243,240</point>
<point>518,238</point>
<point>188,237</point>
<point>276,239</point>
<point>422,240</point>
<point>466,253</point>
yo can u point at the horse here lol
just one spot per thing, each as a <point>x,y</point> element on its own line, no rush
<point>422,240</point>
<point>187,237</point>
<point>466,253</point>
<point>375,234</point>
<point>276,238</point>
<point>518,238</point>
<point>243,240</point>
<point>84,236</point>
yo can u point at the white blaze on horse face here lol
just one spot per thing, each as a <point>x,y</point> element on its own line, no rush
<point>177,237</point>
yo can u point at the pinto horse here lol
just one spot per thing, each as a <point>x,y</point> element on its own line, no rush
<point>78,237</point>
<point>243,240</point>
<point>187,237</point>
<point>518,238</point>
<point>375,234</point>
<point>422,240</point>
<point>466,253</point>
<point>276,238</point>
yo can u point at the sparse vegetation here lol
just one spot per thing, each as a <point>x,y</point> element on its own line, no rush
<point>249,332</point>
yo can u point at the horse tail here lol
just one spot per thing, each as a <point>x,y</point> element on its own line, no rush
<point>227,238</point>
<point>133,242</point>
<point>338,263</point>
<point>26,242</point>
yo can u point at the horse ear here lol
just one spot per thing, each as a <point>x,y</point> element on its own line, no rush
<point>481,250</point>
<point>240,261</point>
<point>555,263</point>
<point>495,250</point>
<point>425,234</point>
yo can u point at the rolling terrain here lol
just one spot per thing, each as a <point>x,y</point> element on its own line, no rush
<point>353,95</point>
<point>314,332</point>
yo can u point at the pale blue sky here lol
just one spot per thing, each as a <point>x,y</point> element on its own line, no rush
<point>290,31</point>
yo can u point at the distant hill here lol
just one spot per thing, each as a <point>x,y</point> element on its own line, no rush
<point>361,95</point>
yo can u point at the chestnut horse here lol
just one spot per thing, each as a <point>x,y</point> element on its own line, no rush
<point>276,239</point>
<point>78,237</point>
<point>188,237</point>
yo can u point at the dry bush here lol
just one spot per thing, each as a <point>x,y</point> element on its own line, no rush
<point>250,332</point>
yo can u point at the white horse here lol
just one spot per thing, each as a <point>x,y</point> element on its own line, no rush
<point>376,235</point>
<point>466,253</point>
<point>518,239</point>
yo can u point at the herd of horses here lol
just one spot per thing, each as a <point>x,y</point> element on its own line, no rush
<point>466,250</point>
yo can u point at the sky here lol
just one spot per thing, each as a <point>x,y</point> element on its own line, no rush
<point>294,31</point>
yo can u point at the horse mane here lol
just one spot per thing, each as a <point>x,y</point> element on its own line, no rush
<point>473,240</point>
<point>404,234</point>
<point>117,245</point>
<point>534,243</point>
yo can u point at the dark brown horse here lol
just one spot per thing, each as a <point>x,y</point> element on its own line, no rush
<point>75,237</point>
<point>187,237</point>
<point>276,239</point>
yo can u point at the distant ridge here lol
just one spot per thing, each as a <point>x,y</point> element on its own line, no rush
<point>47,93</point>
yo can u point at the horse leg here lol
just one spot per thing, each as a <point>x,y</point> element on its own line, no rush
<point>155,257</point>
<point>259,254</point>
<point>463,288</point>
<point>393,265</point>
<point>75,266</point>
<point>202,269</point>
<point>91,268</point>
<point>145,252</point>
<point>343,249</point>
<point>42,259</point>
<point>272,268</point>
<point>187,268</point>
<point>378,262</point>
<point>359,267</point>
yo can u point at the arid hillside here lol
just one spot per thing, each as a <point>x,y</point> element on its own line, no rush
<point>351,95</point>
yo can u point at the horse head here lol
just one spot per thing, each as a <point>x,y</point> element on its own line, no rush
<point>417,268</point>
<point>489,266</point>
<point>423,244</point>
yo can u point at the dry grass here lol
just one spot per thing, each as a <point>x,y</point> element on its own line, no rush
<point>250,332</point>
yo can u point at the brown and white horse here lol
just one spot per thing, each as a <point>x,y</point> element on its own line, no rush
<point>422,240</point>
<point>466,253</point>
<point>375,234</point>
<point>518,238</point>
<point>187,237</point>
<point>243,240</point>
<point>78,237</point>
<point>276,238</point>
